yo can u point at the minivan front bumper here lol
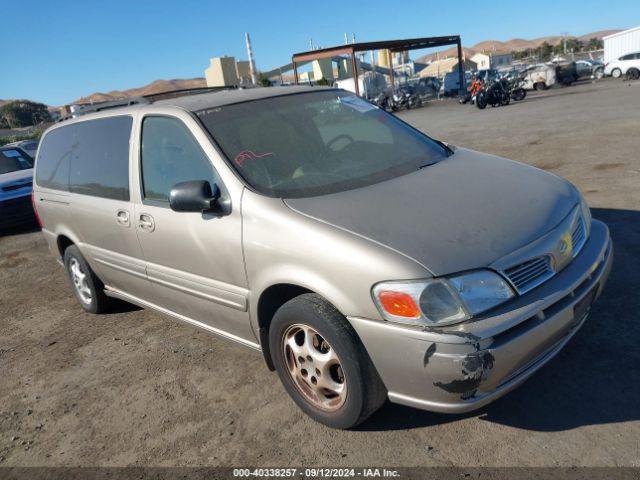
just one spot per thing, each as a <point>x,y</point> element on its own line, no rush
<point>460,369</point>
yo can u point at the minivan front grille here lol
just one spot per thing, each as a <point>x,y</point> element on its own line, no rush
<point>530,274</point>
<point>578,236</point>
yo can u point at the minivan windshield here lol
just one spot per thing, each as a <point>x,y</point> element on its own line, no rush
<point>316,143</point>
<point>12,160</point>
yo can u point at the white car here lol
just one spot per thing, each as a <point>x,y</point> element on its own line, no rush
<point>16,176</point>
<point>628,64</point>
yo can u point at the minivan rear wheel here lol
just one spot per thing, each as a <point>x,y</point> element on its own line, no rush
<point>87,287</point>
<point>322,363</point>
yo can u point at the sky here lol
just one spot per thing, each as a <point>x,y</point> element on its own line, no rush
<point>55,51</point>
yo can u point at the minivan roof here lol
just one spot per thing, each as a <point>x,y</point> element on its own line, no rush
<point>189,100</point>
<point>203,101</point>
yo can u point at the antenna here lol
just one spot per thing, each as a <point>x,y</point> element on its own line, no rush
<point>252,63</point>
<point>346,38</point>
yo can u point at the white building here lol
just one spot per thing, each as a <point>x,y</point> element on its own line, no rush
<point>494,60</point>
<point>222,72</point>
<point>621,43</point>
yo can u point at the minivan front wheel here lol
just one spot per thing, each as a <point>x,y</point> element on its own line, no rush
<point>322,363</point>
<point>86,286</point>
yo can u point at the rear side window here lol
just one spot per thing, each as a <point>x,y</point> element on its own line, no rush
<point>52,167</point>
<point>100,160</point>
<point>12,160</point>
<point>91,158</point>
<point>169,155</point>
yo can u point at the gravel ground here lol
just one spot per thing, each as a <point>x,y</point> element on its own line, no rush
<point>133,388</point>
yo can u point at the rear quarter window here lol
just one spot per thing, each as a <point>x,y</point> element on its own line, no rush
<point>90,158</point>
<point>52,166</point>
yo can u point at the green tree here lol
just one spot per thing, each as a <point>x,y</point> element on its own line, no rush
<point>264,81</point>
<point>23,113</point>
<point>545,51</point>
<point>574,45</point>
<point>595,44</point>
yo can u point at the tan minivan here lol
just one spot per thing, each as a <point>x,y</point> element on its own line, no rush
<point>364,259</point>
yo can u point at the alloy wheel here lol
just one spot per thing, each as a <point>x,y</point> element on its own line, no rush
<point>314,367</point>
<point>79,280</point>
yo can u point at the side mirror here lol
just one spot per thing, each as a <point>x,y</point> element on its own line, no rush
<point>196,196</point>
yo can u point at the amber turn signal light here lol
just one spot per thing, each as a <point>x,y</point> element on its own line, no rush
<point>399,304</point>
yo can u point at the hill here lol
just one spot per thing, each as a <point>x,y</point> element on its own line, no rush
<point>513,45</point>
<point>157,86</point>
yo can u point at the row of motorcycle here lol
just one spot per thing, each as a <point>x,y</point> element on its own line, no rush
<point>494,92</point>
<point>401,98</point>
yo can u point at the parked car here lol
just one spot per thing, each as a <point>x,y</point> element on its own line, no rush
<point>487,75</point>
<point>312,226</point>
<point>566,72</point>
<point>588,68</point>
<point>425,87</point>
<point>16,173</point>
<point>538,77</point>
<point>626,65</point>
<point>451,83</point>
<point>29,146</point>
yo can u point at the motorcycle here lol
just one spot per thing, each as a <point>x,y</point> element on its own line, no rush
<point>516,91</point>
<point>472,91</point>
<point>382,101</point>
<point>494,93</point>
<point>415,100</point>
<point>400,99</point>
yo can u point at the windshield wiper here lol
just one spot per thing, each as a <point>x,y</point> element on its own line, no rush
<point>426,165</point>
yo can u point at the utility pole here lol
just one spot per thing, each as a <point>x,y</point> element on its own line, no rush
<point>564,41</point>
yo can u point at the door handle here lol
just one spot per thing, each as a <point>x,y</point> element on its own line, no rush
<point>122,217</point>
<point>145,222</point>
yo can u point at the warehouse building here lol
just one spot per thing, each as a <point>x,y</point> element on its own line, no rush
<point>621,43</point>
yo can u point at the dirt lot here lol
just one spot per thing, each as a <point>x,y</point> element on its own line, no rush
<point>133,388</point>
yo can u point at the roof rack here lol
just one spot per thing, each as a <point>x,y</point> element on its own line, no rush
<point>153,97</point>
<point>84,108</point>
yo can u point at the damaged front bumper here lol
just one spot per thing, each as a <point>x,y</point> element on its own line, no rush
<point>458,370</point>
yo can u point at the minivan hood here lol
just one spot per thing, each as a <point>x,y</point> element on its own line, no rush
<point>464,212</point>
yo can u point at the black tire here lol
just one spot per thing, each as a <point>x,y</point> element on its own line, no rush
<point>481,100</point>
<point>633,73</point>
<point>519,94</point>
<point>539,86</point>
<point>616,73</point>
<point>365,392</point>
<point>99,302</point>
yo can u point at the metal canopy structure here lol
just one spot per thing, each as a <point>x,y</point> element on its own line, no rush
<point>391,45</point>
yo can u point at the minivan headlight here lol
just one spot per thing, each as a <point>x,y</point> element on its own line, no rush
<point>441,301</point>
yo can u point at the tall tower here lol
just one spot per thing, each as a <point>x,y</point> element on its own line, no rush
<point>252,63</point>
